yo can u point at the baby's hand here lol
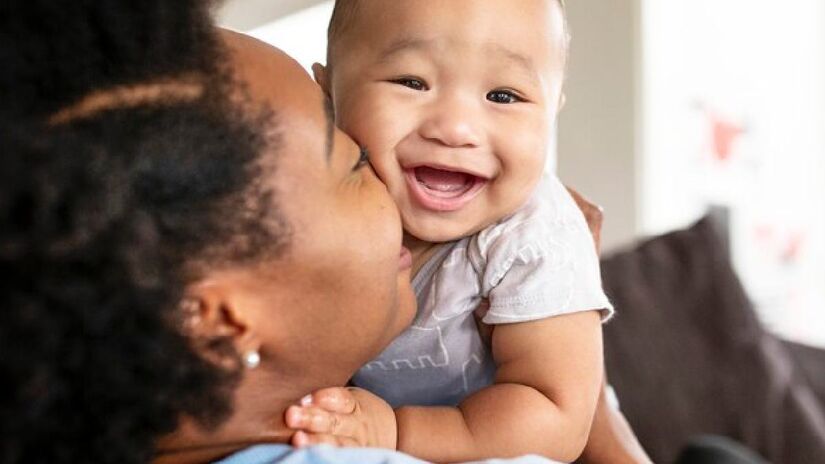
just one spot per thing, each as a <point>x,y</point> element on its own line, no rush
<point>343,417</point>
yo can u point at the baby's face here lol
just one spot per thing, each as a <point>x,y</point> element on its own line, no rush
<point>455,100</point>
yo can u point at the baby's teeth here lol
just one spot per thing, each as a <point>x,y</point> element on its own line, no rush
<point>443,188</point>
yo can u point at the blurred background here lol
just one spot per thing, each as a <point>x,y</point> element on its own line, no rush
<point>676,108</point>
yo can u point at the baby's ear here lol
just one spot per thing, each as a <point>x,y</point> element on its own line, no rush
<point>319,71</point>
<point>562,100</point>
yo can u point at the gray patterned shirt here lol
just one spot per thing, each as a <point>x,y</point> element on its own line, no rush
<point>539,262</point>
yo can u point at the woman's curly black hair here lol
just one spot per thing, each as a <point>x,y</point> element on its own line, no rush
<point>105,218</point>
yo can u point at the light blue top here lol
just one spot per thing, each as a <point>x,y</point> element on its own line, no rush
<point>283,454</point>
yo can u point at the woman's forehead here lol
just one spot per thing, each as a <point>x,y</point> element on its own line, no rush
<point>272,81</point>
<point>269,75</point>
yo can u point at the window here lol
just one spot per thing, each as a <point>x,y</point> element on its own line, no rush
<point>734,116</point>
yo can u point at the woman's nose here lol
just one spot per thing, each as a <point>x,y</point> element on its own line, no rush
<point>453,123</point>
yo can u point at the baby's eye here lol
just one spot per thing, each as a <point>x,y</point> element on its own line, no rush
<point>504,97</point>
<point>412,83</point>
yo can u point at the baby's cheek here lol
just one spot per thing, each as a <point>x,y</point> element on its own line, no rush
<point>524,168</point>
<point>532,151</point>
<point>352,125</point>
<point>386,168</point>
<point>523,139</point>
<point>385,119</point>
<point>352,116</point>
<point>526,157</point>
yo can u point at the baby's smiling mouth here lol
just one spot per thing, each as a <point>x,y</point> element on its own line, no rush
<point>443,183</point>
<point>442,189</point>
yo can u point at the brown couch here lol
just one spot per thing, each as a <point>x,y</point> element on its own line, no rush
<point>687,355</point>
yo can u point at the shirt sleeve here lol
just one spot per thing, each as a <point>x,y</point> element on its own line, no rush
<point>540,262</point>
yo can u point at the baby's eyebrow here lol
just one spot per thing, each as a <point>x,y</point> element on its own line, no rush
<point>525,63</point>
<point>522,61</point>
<point>404,44</point>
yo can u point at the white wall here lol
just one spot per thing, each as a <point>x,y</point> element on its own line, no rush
<point>302,35</point>
<point>244,15</point>
<point>599,149</point>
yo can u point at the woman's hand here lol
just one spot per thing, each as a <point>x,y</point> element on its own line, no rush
<point>612,440</point>
<point>592,214</point>
<point>339,416</point>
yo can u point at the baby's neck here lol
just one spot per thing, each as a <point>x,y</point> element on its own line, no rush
<point>421,251</point>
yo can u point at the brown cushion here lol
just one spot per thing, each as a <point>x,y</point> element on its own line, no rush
<point>811,361</point>
<point>688,356</point>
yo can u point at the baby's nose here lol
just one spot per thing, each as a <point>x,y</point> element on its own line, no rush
<point>454,125</point>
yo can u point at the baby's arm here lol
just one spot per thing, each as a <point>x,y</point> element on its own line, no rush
<point>612,440</point>
<point>547,385</point>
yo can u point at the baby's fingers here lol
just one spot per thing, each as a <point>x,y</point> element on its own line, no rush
<point>336,399</point>
<point>320,421</point>
<point>303,439</point>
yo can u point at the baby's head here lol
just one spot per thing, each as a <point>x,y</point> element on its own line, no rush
<point>454,99</point>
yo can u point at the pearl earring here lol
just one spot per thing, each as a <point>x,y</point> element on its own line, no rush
<point>252,359</point>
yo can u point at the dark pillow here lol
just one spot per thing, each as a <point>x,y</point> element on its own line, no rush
<point>687,355</point>
<point>811,361</point>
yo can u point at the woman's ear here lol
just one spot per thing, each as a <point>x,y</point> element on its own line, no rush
<point>319,71</point>
<point>211,317</point>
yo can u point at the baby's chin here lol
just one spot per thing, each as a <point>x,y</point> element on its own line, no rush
<point>439,231</point>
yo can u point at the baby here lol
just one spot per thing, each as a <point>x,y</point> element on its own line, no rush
<point>455,101</point>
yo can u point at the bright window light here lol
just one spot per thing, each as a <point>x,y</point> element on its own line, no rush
<point>302,35</point>
<point>734,109</point>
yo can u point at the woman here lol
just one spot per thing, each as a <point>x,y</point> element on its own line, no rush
<point>189,249</point>
<point>181,258</point>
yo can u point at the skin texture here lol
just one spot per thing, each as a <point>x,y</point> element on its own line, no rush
<point>470,85</point>
<point>305,313</point>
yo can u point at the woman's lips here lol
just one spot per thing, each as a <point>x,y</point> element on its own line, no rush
<point>442,190</point>
<point>404,259</point>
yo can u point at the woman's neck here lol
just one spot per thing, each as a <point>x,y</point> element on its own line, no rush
<point>260,402</point>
